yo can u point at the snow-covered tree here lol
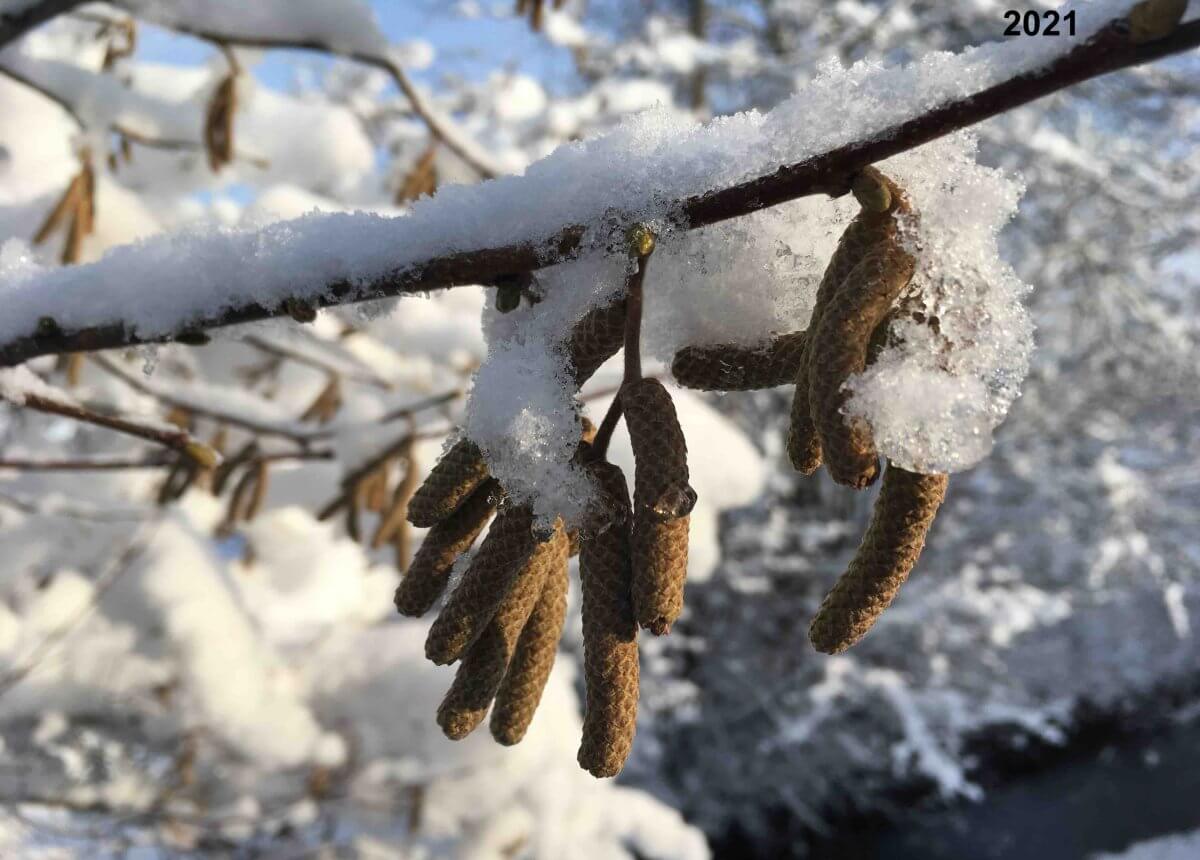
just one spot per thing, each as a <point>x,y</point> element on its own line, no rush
<point>219,409</point>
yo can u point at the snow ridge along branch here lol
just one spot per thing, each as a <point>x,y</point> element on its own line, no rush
<point>1111,48</point>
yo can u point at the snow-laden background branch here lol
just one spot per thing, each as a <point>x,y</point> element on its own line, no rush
<point>191,661</point>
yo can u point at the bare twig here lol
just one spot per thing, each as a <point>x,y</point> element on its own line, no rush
<point>438,125</point>
<point>105,464</point>
<point>279,350</point>
<point>130,134</point>
<point>828,173</point>
<point>176,440</point>
<point>214,412</point>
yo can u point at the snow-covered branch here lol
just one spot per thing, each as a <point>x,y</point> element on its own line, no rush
<point>642,172</point>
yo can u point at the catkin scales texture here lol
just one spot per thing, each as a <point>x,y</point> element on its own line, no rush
<point>488,656</point>
<point>529,669</point>
<point>659,449</point>
<point>662,502</point>
<point>609,634</point>
<point>502,556</point>
<point>890,548</point>
<point>455,476</point>
<point>660,553</point>
<point>841,342</point>
<point>429,572</point>
<point>729,367</point>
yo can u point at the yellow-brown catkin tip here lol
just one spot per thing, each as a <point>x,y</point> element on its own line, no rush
<point>529,669</point>
<point>503,556</point>
<point>203,455</point>
<point>903,513</point>
<point>483,667</point>
<point>460,471</point>
<point>610,650</point>
<point>641,240</point>
<point>1151,20</point>
<point>728,367</point>
<point>871,190</point>
<point>429,572</point>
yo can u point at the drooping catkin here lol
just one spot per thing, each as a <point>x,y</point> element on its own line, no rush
<point>595,339</point>
<point>429,571</point>
<point>803,443</point>
<point>729,367</point>
<point>662,503</point>
<point>453,478</point>
<point>501,558</point>
<point>890,548</point>
<point>529,669</point>
<point>844,338</point>
<point>218,123</point>
<point>610,650</point>
<point>840,342</point>
<point>486,660</point>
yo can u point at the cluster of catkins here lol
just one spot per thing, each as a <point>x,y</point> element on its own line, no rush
<point>503,620</point>
<point>862,291</point>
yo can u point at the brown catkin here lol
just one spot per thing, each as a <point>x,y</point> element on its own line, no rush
<point>395,518</point>
<point>872,269</point>
<point>803,443</point>
<point>504,554</point>
<point>844,339</point>
<point>429,572</point>
<point>729,367</point>
<point>662,502</point>
<point>660,554</point>
<point>595,339</point>
<point>455,476</point>
<point>890,548</point>
<point>483,667</point>
<point>527,673</point>
<point>659,450</point>
<point>610,650</point>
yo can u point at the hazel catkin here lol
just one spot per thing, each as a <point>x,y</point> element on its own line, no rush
<point>502,557</point>
<point>840,341</point>
<point>595,339</point>
<point>529,669</point>
<point>871,188</point>
<point>610,650</point>
<point>663,501</point>
<point>890,548</point>
<point>729,367</point>
<point>453,478</point>
<point>429,571</point>
<point>487,659</point>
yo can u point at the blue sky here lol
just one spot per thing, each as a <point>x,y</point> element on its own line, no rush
<point>466,47</point>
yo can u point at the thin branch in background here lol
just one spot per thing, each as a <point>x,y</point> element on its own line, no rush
<point>213,412</point>
<point>438,125</point>
<point>1111,49</point>
<point>99,464</point>
<point>124,131</point>
<point>366,376</point>
<point>176,440</point>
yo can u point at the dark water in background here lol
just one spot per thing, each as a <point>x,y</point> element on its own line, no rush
<point>1101,801</point>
